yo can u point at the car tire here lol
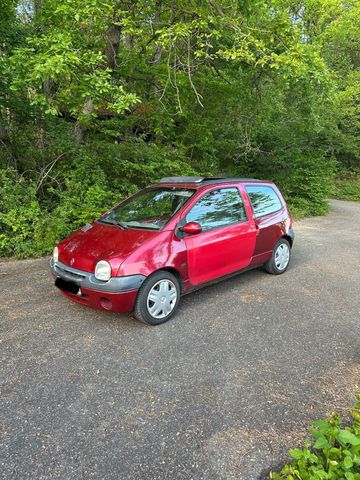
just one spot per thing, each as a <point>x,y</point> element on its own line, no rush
<point>280,258</point>
<point>158,298</point>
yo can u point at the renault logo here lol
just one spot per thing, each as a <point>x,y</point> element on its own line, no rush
<point>72,262</point>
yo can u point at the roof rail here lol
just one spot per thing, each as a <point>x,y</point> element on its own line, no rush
<point>182,179</point>
<point>205,180</point>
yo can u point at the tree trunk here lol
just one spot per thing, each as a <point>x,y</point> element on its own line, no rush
<point>4,136</point>
<point>129,41</point>
<point>158,49</point>
<point>111,52</point>
<point>112,45</point>
<point>37,6</point>
<point>80,127</point>
<point>157,20</point>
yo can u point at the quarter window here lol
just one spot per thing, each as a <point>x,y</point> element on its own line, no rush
<point>217,209</point>
<point>263,199</point>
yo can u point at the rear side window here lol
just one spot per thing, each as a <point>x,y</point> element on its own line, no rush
<point>263,199</point>
<point>218,208</point>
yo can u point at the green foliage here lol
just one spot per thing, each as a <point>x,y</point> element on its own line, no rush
<point>98,99</point>
<point>307,184</point>
<point>347,187</point>
<point>20,214</point>
<point>86,194</point>
<point>78,73</point>
<point>30,226</point>
<point>334,453</point>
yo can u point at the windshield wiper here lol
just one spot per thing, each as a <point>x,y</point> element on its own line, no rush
<point>117,223</point>
<point>143,227</point>
<point>122,225</point>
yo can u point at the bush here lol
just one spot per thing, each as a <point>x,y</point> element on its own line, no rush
<point>307,184</point>
<point>347,187</point>
<point>90,179</point>
<point>132,165</point>
<point>333,455</point>
<point>87,182</point>
<point>31,228</point>
<point>20,216</point>
<point>86,193</point>
<point>304,179</point>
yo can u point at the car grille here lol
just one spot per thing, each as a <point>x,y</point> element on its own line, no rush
<point>69,274</point>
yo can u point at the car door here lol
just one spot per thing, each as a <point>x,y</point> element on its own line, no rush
<point>227,240</point>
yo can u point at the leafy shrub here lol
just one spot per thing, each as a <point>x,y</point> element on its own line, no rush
<point>304,179</point>
<point>347,187</point>
<point>20,215</point>
<point>307,184</point>
<point>86,194</point>
<point>29,227</point>
<point>334,455</point>
<point>134,164</point>
<point>89,181</point>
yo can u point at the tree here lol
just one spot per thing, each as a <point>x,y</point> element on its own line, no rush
<point>98,97</point>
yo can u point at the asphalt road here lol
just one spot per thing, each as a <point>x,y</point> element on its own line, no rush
<point>220,392</point>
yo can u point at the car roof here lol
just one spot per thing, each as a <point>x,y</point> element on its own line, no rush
<point>202,181</point>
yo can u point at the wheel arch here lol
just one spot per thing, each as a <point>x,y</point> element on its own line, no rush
<point>289,239</point>
<point>141,311</point>
<point>174,272</point>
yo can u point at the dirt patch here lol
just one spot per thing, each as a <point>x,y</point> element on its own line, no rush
<point>247,297</point>
<point>241,454</point>
<point>340,385</point>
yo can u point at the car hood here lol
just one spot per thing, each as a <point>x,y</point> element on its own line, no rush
<point>84,248</point>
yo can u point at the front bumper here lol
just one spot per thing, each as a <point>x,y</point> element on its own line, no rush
<point>116,295</point>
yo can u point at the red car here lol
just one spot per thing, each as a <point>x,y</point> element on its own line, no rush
<point>171,238</point>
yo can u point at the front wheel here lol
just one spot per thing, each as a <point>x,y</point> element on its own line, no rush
<point>280,258</point>
<point>158,298</point>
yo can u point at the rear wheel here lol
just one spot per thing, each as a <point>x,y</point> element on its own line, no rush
<point>280,258</point>
<point>157,298</point>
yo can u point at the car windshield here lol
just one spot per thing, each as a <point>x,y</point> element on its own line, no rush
<point>149,209</point>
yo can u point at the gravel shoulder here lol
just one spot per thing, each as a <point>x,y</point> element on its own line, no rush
<point>222,391</point>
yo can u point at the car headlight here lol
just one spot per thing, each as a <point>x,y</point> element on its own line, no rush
<point>56,254</point>
<point>103,270</point>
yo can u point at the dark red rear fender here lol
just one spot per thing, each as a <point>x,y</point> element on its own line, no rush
<point>271,228</point>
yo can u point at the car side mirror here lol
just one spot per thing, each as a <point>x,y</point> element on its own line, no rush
<point>191,228</point>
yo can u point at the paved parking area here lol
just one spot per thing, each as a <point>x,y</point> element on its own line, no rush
<point>220,392</point>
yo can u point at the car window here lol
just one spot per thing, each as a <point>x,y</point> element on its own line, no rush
<point>149,208</point>
<point>218,208</point>
<point>263,199</point>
